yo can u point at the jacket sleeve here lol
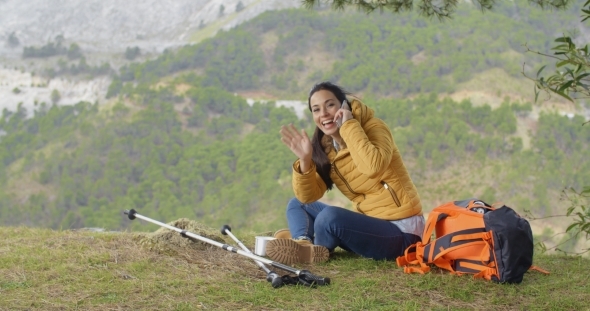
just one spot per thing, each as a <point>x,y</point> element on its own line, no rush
<point>307,186</point>
<point>371,147</point>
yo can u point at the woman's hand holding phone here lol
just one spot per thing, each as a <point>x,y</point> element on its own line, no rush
<point>344,114</point>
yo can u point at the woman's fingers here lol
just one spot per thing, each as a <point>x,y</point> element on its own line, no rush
<point>337,115</point>
<point>343,115</point>
<point>285,133</point>
<point>304,136</point>
<point>287,142</point>
<point>291,137</point>
<point>290,132</point>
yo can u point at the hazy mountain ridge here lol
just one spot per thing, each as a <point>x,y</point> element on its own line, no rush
<point>110,26</point>
<point>103,30</point>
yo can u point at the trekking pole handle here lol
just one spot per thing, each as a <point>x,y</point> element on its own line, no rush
<point>130,213</point>
<point>313,279</point>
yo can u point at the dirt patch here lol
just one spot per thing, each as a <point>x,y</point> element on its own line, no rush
<point>171,242</point>
<point>257,95</point>
<point>419,58</point>
<point>182,88</point>
<point>523,127</point>
<point>268,46</point>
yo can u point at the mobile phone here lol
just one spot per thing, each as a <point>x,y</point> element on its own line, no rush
<point>344,106</point>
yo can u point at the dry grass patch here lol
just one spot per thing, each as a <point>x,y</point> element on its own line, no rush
<point>79,270</point>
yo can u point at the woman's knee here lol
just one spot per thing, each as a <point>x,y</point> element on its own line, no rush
<point>294,203</point>
<point>328,216</point>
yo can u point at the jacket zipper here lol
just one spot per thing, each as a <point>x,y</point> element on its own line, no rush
<point>347,185</point>
<point>393,194</point>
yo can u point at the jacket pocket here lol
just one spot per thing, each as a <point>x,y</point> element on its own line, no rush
<point>393,194</point>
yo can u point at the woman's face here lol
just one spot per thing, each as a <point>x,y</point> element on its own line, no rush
<point>324,106</point>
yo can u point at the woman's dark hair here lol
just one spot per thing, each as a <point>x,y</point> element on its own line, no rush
<point>319,157</point>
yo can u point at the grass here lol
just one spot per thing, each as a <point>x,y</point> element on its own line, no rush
<point>44,269</point>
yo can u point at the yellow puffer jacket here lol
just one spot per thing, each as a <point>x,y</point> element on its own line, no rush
<point>368,170</point>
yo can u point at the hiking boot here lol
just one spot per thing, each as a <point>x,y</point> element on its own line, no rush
<point>282,234</point>
<point>288,251</point>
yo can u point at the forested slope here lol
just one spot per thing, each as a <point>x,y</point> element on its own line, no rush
<point>379,54</point>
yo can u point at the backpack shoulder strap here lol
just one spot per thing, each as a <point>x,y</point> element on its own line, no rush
<point>433,218</point>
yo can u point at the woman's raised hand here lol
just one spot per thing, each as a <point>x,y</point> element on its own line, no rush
<point>298,142</point>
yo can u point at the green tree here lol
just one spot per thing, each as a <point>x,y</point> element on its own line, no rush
<point>239,6</point>
<point>132,52</point>
<point>440,9</point>
<point>13,40</point>
<point>55,96</point>
<point>74,52</point>
<point>571,79</point>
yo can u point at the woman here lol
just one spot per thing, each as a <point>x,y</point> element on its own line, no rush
<point>355,151</point>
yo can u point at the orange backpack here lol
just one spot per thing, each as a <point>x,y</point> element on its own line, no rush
<point>475,238</point>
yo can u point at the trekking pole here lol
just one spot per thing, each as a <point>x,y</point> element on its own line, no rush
<point>304,276</point>
<point>271,276</point>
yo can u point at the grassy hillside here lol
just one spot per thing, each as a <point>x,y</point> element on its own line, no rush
<point>44,269</point>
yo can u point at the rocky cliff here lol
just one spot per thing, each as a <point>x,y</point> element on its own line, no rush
<point>111,26</point>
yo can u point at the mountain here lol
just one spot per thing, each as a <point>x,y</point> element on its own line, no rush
<point>109,26</point>
<point>103,30</point>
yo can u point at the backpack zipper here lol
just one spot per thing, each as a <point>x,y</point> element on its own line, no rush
<point>393,194</point>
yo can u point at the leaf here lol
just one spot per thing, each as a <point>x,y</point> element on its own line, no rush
<point>551,79</point>
<point>561,39</point>
<point>562,94</point>
<point>561,63</point>
<point>539,72</point>
<point>561,47</point>
<point>572,226</point>
<point>566,85</point>
<point>578,78</point>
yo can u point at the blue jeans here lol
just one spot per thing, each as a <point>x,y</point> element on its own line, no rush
<point>332,226</point>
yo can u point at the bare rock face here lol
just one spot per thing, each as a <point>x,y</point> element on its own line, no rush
<point>103,29</point>
<point>111,25</point>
